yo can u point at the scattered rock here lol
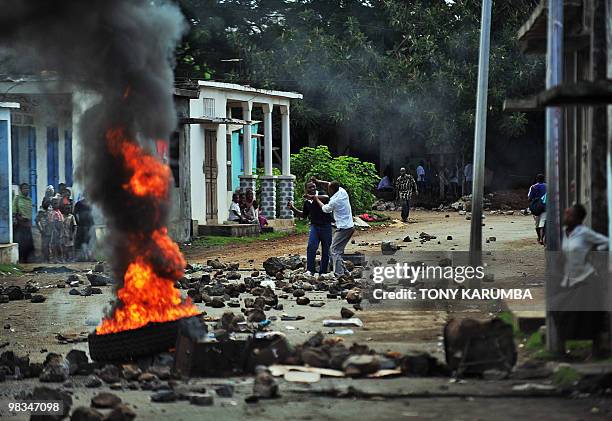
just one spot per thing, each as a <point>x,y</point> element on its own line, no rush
<point>361,365</point>
<point>110,374</point>
<point>346,313</point>
<point>76,360</point>
<point>121,412</point>
<point>44,393</point>
<point>55,369</point>
<point>201,399</point>
<point>353,296</point>
<point>164,396</point>
<point>93,381</point>
<point>255,315</point>
<point>302,301</point>
<point>38,298</point>
<point>216,302</point>
<point>83,413</point>
<point>99,280</point>
<point>14,293</point>
<point>265,387</point>
<point>131,371</point>
<point>388,247</point>
<point>105,400</point>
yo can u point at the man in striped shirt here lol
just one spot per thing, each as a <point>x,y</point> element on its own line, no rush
<point>405,186</point>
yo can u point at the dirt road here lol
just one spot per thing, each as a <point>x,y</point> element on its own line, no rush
<point>32,328</point>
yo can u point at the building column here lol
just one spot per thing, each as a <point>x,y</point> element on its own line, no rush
<point>286,180</point>
<point>268,181</point>
<point>247,179</point>
<point>286,140</point>
<point>9,252</point>
<point>267,112</point>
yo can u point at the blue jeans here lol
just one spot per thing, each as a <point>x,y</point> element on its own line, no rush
<point>318,234</point>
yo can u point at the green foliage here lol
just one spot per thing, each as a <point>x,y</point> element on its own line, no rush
<point>357,177</point>
<point>384,69</point>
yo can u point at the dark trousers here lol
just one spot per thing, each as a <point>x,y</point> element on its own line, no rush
<point>23,236</point>
<point>318,234</point>
<point>405,208</point>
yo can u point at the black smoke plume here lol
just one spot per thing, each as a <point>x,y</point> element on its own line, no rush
<point>121,51</point>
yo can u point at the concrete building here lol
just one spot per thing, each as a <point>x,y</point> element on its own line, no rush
<point>39,130</point>
<point>212,124</point>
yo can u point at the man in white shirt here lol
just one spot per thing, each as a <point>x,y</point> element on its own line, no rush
<point>421,179</point>
<point>340,206</point>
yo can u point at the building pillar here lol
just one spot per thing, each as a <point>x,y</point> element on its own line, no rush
<point>9,252</point>
<point>247,150</point>
<point>286,140</point>
<point>247,179</point>
<point>285,187</point>
<point>268,181</point>
<point>286,180</point>
<point>268,196</point>
<point>267,111</point>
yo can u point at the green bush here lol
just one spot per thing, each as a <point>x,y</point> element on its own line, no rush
<point>358,178</point>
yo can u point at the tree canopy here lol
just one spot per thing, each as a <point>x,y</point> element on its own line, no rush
<point>384,69</point>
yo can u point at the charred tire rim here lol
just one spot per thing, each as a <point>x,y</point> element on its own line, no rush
<point>131,344</point>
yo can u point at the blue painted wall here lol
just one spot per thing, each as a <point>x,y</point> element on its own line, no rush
<point>68,157</point>
<point>33,174</point>
<point>237,155</point>
<point>52,157</point>
<point>5,184</point>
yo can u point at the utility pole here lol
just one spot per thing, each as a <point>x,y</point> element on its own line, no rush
<point>480,136</point>
<point>554,76</point>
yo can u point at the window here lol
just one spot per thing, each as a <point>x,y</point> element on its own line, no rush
<point>209,107</point>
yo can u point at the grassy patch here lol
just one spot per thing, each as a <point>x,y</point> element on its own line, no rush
<point>301,227</point>
<point>565,377</point>
<point>10,270</point>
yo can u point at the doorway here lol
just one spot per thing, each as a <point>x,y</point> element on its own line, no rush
<point>210,175</point>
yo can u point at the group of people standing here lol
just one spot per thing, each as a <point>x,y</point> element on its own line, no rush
<point>66,229</point>
<point>432,182</point>
<point>323,211</point>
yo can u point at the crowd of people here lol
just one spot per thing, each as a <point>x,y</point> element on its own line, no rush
<point>66,228</point>
<point>432,182</point>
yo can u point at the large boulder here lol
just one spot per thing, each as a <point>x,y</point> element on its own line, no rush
<point>273,265</point>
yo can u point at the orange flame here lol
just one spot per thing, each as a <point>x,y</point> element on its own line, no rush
<point>149,176</point>
<point>146,297</point>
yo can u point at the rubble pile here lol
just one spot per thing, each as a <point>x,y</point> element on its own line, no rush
<point>382,205</point>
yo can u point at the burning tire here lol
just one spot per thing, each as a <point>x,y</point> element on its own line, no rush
<point>132,344</point>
